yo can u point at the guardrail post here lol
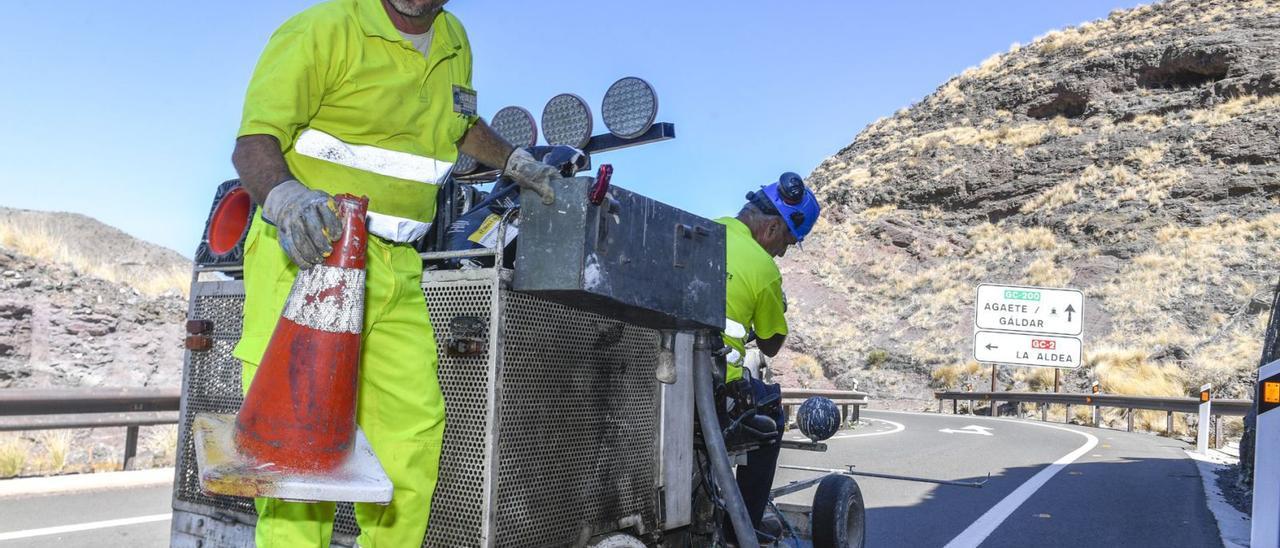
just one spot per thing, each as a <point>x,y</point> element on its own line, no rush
<point>1168,424</point>
<point>130,447</point>
<point>1044,412</point>
<point>1265,529</point>
<point>1097,409</point>
<point>993,407</point>
<point>955,406</point>
<point>844,412</point>
<point>857,414</point>
<point>1129,420</point>
<point>940,410</point>
<point>1067,415</point>
<point>1202,427</point>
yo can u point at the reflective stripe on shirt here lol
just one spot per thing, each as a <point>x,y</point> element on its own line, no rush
<point>396,229</point>
<point>391,163</point>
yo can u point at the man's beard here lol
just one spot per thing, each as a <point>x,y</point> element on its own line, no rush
<point>408,9</point>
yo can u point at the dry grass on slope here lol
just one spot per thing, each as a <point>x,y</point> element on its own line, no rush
<point>43,240</point>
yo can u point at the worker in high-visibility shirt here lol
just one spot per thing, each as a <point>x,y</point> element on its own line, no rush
<point>774,218</point>
<point>372,98</point>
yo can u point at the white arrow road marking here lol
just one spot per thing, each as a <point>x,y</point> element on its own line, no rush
<point>971,429</point>
<point>45,531</point>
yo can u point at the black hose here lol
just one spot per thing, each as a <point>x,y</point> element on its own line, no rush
<point>713,440</point>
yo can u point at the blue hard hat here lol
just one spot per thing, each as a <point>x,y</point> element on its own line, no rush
<point>818,418</point>
<point>789,198</point>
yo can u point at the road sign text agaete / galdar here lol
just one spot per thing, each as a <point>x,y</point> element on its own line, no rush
<point>1035,326</point>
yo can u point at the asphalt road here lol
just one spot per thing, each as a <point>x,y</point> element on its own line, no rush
<point>1123,489</point>
<point>1126,489</point>
<point>44,520</point>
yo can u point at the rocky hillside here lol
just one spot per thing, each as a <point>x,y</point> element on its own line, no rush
<point>1133,157</point>
<point>83,304</point>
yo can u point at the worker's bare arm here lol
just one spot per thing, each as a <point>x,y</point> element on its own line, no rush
<point>770,346</point>
<point>485,145</point>
<point>260,164</point>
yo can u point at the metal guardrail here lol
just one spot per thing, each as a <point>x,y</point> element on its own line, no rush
<point>54,409</point>
<point>846,399</point>
<point>131,408</point>
<point>1170,405</point>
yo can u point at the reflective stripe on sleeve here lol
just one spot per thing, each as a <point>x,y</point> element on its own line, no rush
<point>391,163</point>
<point>396,229</point>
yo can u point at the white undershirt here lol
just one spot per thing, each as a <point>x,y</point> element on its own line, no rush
<point>421,42</point>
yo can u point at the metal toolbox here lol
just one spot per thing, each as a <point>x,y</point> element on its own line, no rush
<point>630,258</point>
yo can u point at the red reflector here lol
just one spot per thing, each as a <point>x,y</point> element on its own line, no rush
<point>197,327</point>
<point>229,221</point>
<point>197,343</point>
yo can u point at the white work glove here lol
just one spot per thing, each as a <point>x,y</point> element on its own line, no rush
<point>531,174</point>
<point>307,221</point>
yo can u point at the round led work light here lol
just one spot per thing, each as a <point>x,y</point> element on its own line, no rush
<point>516,125</point>
<point>566,120</point>
<point>630,107</point>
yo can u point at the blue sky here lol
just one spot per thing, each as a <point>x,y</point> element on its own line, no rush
<point>127,111</point>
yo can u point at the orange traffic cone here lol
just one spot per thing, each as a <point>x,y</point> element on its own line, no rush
<point>295,436</point>
<point>300,410</point>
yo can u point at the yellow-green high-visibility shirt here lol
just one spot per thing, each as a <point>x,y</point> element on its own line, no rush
<point>753,290</point>
<point>358,110</point>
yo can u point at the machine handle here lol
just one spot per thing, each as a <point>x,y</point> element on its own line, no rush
<point>601,187</point>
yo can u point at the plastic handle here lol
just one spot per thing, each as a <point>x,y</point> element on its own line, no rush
<point>601,186</point>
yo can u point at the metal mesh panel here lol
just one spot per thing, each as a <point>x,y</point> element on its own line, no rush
<point>211,384</point>
<point>456,517</point>
<point>577,434</point>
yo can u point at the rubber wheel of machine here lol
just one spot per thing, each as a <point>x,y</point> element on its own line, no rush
<point>839,515</point>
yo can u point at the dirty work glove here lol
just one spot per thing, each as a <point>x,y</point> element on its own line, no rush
<point>307,221</point>
<point>531,174</point>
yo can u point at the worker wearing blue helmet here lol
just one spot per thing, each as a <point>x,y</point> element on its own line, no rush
<point>774,218</point>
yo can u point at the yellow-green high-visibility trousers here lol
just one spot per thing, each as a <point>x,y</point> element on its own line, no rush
<point>398,404</point>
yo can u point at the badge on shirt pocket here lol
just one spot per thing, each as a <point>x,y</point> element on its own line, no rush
<point>464,100</point>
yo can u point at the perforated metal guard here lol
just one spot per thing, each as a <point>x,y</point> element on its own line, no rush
<point>577,430</point>
<point>211,384</point>
<point>456,517</point>
<point>575,439</point>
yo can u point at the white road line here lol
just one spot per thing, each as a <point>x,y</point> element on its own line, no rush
<point>897,427</point>
<point>60,529</point>
<point>980,529</point>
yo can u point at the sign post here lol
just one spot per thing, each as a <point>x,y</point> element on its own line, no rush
<point>1202,427</point>
<point>1032,326</point>
<point>1266,460</point>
